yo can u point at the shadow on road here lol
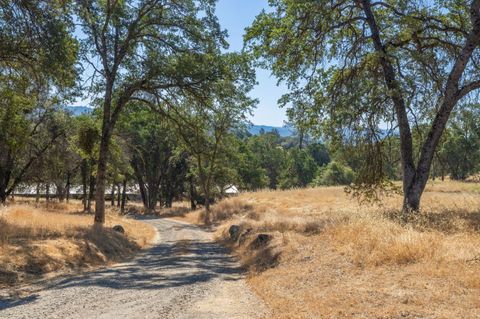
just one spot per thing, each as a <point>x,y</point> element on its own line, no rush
<point>168,264</point>
<point>163,267</point>
<point>6,303</point>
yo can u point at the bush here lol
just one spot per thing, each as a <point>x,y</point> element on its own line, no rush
<point>334,174</point>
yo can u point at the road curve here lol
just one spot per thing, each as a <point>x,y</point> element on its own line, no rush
<point>184,275</point>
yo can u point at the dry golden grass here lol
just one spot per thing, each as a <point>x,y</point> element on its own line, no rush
<point>331,257</point>
<point>38,240</point>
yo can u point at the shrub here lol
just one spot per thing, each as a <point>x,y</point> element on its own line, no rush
<point>334,174</point>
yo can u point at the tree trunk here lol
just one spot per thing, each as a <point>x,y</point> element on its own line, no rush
<point>91,193</point>
<point>124,196</point>
<point>101,173</point>
<point>84,170</point>
<point>3,196</point>
<point>152,196</point>
<point>141,184</point>
<point>112,196</point>
<point>60,192</point>
<point>300,140</point>
<point>68,188</point>
<point>47,192</point>
<point>119,195</point>
<point>37,194</point>
<point>193,204</point>
<point>5,175</point>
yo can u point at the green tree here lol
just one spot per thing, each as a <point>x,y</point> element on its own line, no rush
<point>460,151</point>
<point>145,47</point>
<point>158,166</point>
<point>334,174</point>
<point>206,125</point>
<point>299,170</point>
<point>36,37</point>
<point>250,173</point>
<point>60,161</point>
<point>86,140</point>
<point>37,58</point>
<point>270,154</point>
<point>363,63</point>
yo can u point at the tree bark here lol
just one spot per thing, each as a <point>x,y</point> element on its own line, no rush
<point>68,188</point>
<point>124,196</point>
<point>112,196</point>
<point>84,171</point>
<point>5,175</point>
<point>91,192</point>
<point>119,195</point>
<point>406,144</point>
<point>415,177</point>
<point>37,194</point>
<point>193,204</point>
<point>101,172</point>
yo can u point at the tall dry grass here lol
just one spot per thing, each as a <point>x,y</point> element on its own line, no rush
<point>46,238</point>
<point>328,252</point>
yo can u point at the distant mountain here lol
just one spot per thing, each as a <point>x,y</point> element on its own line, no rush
<point>79,110</point>
<point>284,131</point>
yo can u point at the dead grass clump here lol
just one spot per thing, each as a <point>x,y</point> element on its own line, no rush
<point>446,221</point>
<point>231,207</point>
<point>36,241</point>
<point>382,242</point>
<point>331,257</point>
<point>179,211</point>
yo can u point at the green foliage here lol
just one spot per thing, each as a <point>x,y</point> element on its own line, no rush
<point>153,148</point>
<point>319,153</point>
<point>87,136</point>
<point>251,175</point>
<point>460,150</point>
<point>270,154</point>
<point>334,174</point>
<point>299,170</point>
<point>353,67</point>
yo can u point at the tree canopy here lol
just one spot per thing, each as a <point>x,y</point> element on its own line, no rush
<point>360,65</point>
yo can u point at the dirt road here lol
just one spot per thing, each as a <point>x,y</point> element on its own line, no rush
<point>184,275</point>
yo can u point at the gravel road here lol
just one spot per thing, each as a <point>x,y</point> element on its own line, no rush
<point>184,275</point>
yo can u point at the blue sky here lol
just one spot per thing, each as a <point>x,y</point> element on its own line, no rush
<point>235,16</point>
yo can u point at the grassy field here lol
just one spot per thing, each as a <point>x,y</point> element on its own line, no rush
<point>330,257</point>
<point>41,239</point>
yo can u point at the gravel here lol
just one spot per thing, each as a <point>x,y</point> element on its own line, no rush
<point>184,275</point>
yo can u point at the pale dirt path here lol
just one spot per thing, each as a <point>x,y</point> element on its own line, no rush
<point>184,275</point>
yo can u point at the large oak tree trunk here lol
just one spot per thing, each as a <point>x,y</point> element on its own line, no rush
<point>415,177</point>
<point>101,175</point>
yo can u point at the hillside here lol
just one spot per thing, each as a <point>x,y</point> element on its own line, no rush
<point>284,131</point>
<point>79,110</point>
<point>253,129</point>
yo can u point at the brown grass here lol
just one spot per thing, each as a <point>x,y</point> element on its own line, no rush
<point>39,240</point>
<point>331,257</point>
